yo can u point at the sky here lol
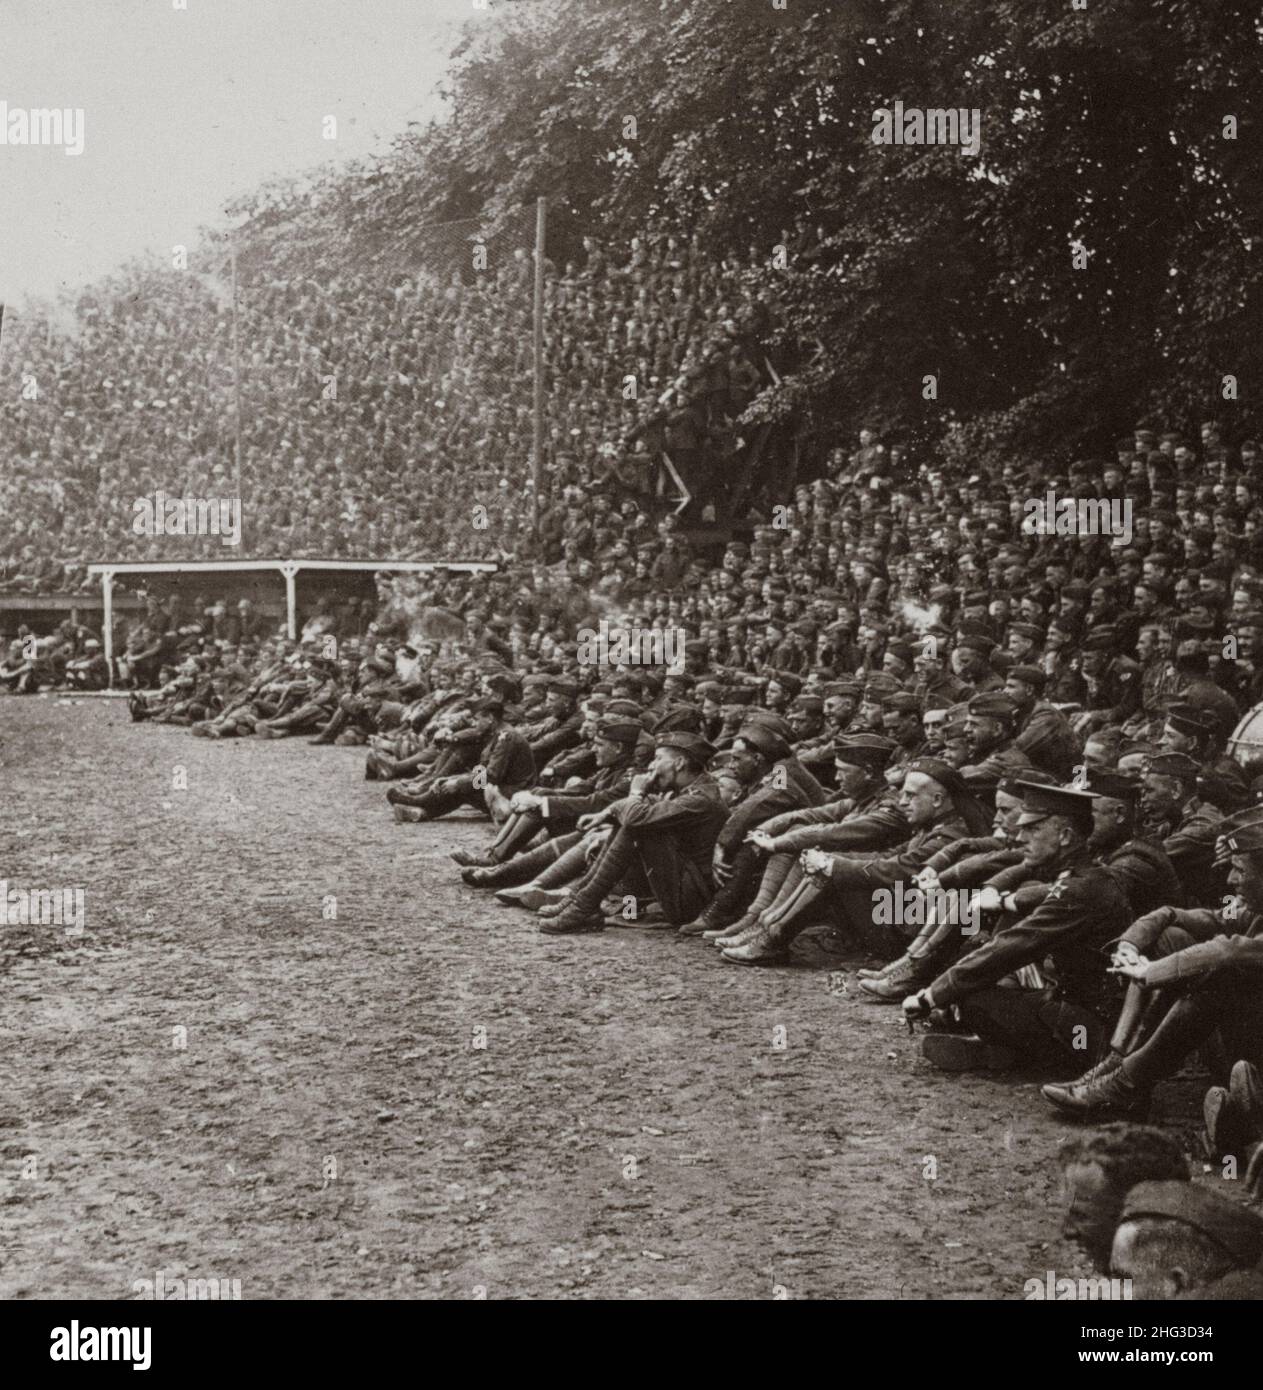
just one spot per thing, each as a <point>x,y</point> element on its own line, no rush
<point>183,109</point>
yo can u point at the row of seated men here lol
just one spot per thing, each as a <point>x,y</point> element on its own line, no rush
<point>1083,909</point>
<point>1100,927</point>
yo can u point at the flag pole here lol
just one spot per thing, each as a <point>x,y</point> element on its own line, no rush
<point>236,392</point>
<point>537,452</point>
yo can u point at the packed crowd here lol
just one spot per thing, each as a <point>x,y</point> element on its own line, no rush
<point>900,724</point>
<point>384,414</point>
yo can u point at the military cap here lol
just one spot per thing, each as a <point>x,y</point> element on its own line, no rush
<point>1190,719</point>
<point>1248,840</point>
<point>878,686</point>
<point>993,704</point>
<point>680,716</point>
<point>709,690</point>
<point>846,685</point>
<point>787,680</point>
<point>1077,588</point>
<point>810,704</point>
<point>1118,786</point>
<point>764,739</point>
<point>902,702</point>
<point>1030,630</point>
<point>1029,675</point>
<point>627,709</point>
<point>1039,802</point>
<point>977,642</point>
<point>1173,765</point>
<point>1101,639</point>
<point>1011,783</point>
<point>652,680</point>
<point>863,750</point>
<point>693,746</point>
<point>488,704</point>
<point>1231,830</point>
<point>943,773</point>
<point>535,680</point>
<point>561,686</point>
<point>619,730</point>
<point>695,647</point>
<point>681,678</point>
<point>1234,1227</point>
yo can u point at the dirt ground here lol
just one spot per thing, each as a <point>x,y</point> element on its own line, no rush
<point>643,1121</point>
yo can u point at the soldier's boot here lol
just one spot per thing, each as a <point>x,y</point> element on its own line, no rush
<point>331,730</point>
<point>725,936</point>
<point>516,872</point>
<point>919,947</point>
<point>966,1052</point>
<point>766,943</point>
<point>515,835</point>
<point>408,795</point>
<point>1112,1094</point>
<point>582,910</point>
<point>729,904</point>
<point>903,977</point>
<point>1110,1062</point>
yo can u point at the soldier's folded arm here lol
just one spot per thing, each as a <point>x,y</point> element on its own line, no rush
<point>1025,942</point>
<point>1207,957</point>
<point>661,815</point>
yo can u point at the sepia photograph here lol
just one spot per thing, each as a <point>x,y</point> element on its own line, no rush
<point>740,526</point>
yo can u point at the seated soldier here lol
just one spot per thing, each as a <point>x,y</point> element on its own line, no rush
<point>962,864</point>
<point>936,808</point>
<point>1058,1022</point>
<point>1206,987</point>
<point>864,815</point>
<point>556,814</point>
<point>779,784</point>
<point>663,840</point>
<point>505,766</point>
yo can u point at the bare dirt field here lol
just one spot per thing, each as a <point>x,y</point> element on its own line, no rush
<point>423,1097</point>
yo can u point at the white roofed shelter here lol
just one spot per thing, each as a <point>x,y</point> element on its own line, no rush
<point>288,569</point>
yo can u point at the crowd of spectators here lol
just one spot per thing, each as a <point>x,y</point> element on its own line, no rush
<point>385,413</point>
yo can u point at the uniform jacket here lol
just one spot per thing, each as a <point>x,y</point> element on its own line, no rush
<point>1223,942</point>
<point>881,870</point>
<point>1082,911</point>
<point>508,760</point>
<point>692,817</point>
<point>786,787</point>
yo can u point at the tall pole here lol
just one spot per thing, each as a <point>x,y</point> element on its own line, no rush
<point>236,395</point>
<point>537,460</point>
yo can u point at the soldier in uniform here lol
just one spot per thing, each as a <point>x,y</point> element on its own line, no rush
<point>1187,827</point>
<point>1216,974</point>
<point>1112,682</point>
<point>663,840</point>
<point>557,813</point>
<point>1176,1240</point>
<point>1076,915</point>
<point>936,808</point>
<point>1042,732</point>
<point>780,784</point>
<point>989,730</point>
<point>506,765</point>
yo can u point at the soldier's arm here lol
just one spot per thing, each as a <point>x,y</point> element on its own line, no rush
<point>1025,942</point>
